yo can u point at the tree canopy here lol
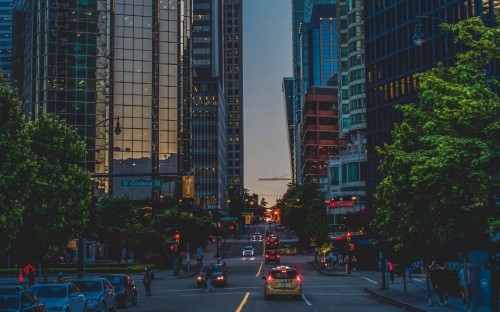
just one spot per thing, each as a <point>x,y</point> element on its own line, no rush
<point>444,157</point>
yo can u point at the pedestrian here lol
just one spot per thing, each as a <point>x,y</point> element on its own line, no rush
<point>60,277</point>
<point>31,276</point>
<point>348,264</point>
<point>208,277</point>
<point>461,278</point>
<point>390,266</point>
<point>354,261</point>
<point>409,273</point>
<point>442,284</point>
<point>146,279</point>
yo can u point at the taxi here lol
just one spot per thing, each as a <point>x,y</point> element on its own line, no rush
<point>287,250</point>
<point>283,281</point>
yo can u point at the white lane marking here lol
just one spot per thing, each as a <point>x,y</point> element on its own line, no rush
<point>366,278</point>
<point>307,301</point>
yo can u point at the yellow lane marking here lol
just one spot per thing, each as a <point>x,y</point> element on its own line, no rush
<point>258,272</point>
<point>243,302</point>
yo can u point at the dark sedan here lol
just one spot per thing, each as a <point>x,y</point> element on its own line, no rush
<point>18,298</point>
<point>219,276</point>
<point>125,289</point>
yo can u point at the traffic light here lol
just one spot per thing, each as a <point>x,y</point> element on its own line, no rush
<point>231,227</point>
<point>177,237</point>
<point>173,248</point>
<point>351,247</point>
<point>348,235</point>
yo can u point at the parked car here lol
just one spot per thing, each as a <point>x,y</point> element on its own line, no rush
<point>99,293</point>
<point>219,276</point>
<point>61,297</point>
<point>125,289</point>
<point>14,298</point>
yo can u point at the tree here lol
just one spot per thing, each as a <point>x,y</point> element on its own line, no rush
<point>444,157</point>
<point>303,210</point>
<point>16,167</point>
<point>58,201</point>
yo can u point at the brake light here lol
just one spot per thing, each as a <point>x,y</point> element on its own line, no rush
<point>269,278</point>
<point>298,279</point>
<point>267,256</point>
<point>277,256</point>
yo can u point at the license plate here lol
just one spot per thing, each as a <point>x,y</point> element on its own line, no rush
<point>284,284</point>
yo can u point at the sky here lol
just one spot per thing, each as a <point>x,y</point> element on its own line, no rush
<point>267,58</point>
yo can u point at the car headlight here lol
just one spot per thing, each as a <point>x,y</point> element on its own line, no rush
<point>220,277</point>
<point>199,278</point>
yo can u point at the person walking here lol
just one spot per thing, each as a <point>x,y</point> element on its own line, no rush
<point>442,284</point>
<point>390,266</point>
<point>146,279</point>
<point>208,278</point>
<point>354,263</point>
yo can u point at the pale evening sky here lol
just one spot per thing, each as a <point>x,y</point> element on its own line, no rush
<point>267,58</point>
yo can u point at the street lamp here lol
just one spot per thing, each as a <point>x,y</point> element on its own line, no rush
<point>117,130</point>
<point>418,37</point>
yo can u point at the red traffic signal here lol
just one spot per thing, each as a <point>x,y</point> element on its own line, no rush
<point>348,235</point>
<point>231,227</point>
<point>173,247</point>
<point>276,212</point>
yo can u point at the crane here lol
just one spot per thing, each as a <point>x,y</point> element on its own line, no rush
<point>280,178</point>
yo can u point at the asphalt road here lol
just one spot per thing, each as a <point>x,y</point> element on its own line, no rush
<point>244,291</point>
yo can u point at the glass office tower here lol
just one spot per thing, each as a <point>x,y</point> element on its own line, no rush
<point>57,59</point>
<point>6,40</point>
<point>392,59</point>
<point>151,84</point>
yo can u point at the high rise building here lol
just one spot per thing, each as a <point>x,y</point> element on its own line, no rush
<point>319,97</point>
<point>6,40</point>
<point>347,171</point>
<point>287,89</point>
<point>233,91</point>
<point>97,64</point>
<point>209,109</point>
<point>392,59</point>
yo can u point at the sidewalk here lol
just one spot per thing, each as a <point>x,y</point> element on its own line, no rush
<point>208,256</point>
<point>416,292</point>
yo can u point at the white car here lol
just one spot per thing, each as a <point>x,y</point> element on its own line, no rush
<point>60,297</point>
<point>248,251</point>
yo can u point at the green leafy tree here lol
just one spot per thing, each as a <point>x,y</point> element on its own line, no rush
<point>59,198</point>
<point>301,211</point>
<point>16,167</point>
<point>443,161</point>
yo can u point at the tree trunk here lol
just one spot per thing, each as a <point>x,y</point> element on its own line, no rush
<point>44,270</point>
<point>465,260</point>
<point>404,283</point>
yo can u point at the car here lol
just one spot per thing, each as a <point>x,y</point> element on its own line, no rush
<point>272,256</point>
<point>283,281</point>
<point>15,298</point>
<point>248,251</point>
<point>287,250</point>
<point>270,222</point>
<point>99,293</point>
<point>125,289</point>
<point>256,236</point>
<point>219,275</point>
<point>61,297</point>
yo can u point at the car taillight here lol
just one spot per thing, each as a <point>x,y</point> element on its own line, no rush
<point>269,278</point>
<point>298,279</point>
<point>277,256</point>
<point>267,256</point>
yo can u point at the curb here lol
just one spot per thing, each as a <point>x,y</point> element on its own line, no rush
<point>315,265</point>
<point>397,303</point>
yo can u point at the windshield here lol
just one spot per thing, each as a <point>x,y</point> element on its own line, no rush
<point>49,291</point>
<point>284,274</point>
<point>116,280</point>
<point>89,286</point>
<point>248,248</point>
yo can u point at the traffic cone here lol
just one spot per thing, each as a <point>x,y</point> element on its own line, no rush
<point>20,279</point>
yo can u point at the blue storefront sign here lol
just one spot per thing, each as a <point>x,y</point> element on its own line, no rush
<point>480,286</point>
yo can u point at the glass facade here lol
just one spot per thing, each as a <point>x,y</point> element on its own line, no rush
<point>151,94</point>
<point>56,53</point>
<point>392,59</point>
<point>6,40</point>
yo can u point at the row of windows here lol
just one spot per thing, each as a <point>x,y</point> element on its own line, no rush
<point>357,119</point>
<point>232,38</point>
<point>357,74</point>
<point>358,59</point>
<point>201,29</point>
<point>351,172</point>
<point>357,104</point>
<point>355,31</point>
<point>358,45</point>
<point>355,17</point>
<point>357,89</point>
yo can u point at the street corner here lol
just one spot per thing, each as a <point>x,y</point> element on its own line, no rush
<point>319,267</point>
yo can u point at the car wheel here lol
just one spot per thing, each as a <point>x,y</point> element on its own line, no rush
<point>85,308</point>
<point>113,308</point>
<point>135,300</point>
<point>68,310</point>
<point>102,308</point>
<point>126,302</point>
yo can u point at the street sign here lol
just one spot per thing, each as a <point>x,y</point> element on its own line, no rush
<point>229,218</point>
<point>141,183</point>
